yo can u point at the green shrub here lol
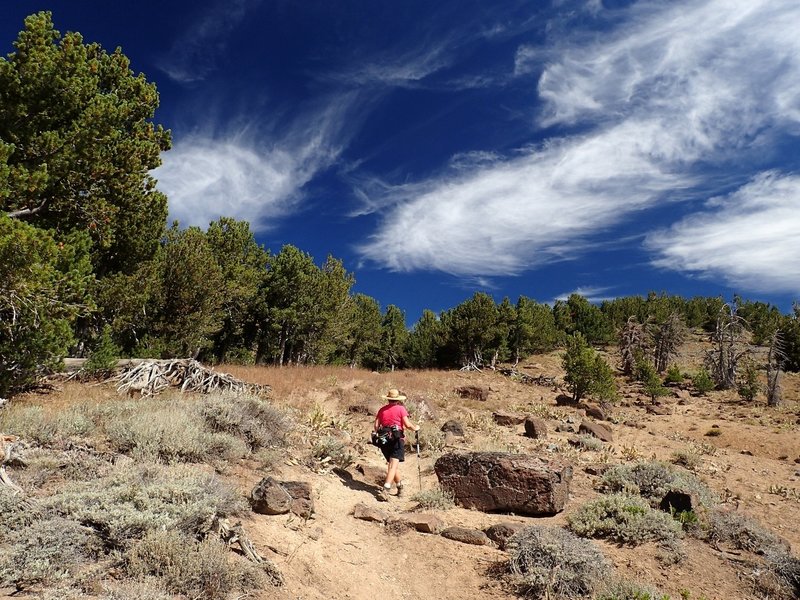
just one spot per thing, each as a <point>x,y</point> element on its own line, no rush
<point>186,566</point>
<point>103,359</point>
<point>647,374</point>
<point>652,480</point>
<point>702,382</point>
<point>46,551</point>
<point>749,386</point>
<point>140,498</point>
<point>254,420</point>
<point>554,561</point>
<point>623,589</point>
<point>46,465</point>
<point>673,375</point>
<point>434,499</point>
<point>624,519</point>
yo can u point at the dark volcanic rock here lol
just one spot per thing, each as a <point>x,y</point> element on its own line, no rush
<point>454,427</point>
<point>502,417</point>
<point>504,482</point>
<point>535,428</point>
<point>500,533</point>
<point>598,430</point>
<point>269,497</point>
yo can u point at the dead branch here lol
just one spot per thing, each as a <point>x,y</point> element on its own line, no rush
<point>234,534</point>
<point>149,378</point>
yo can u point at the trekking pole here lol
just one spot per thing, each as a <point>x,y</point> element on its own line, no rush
<point>419,469</point>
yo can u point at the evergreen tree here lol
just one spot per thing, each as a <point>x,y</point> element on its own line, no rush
<point>470,328</point>
<point>394,336</point>
<point>361,345</point>
<point>43,288</point>
<point>243,267</point>
<point>534,329</point>
<point>77,144</point>
<point>425,341</point>
<point>586,371</point>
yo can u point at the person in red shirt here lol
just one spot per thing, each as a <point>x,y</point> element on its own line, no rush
<point>393,415</point>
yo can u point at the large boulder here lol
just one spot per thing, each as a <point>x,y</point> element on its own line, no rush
<point>273,497</point>
<point>598,430</point>
<point>465,535</point>
<point>504,482</point>
<point>535,428</point>
<point>474,392</point>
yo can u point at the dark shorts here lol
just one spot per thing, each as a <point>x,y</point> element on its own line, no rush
<point>396,449</point>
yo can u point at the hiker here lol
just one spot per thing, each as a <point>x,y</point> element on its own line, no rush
<point>393,418</point>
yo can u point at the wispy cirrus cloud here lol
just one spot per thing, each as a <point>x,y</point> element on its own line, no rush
<point>594,294</point>
<point>194,54</point>
<point>749,238</point>
<point>249,176</point>
<point>677,86</point>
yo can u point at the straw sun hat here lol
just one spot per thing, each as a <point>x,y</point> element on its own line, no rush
<point>393,395</point>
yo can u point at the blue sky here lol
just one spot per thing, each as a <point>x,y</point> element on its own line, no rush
<point>440,148</point>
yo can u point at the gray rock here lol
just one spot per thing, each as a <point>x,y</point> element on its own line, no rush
<point>500,532</point>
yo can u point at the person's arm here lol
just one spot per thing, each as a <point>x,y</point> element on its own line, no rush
<point>376,425</point>
<point>407,424</point>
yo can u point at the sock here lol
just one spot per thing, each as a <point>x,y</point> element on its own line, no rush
<point>387,486</point>
<point>399,484</point>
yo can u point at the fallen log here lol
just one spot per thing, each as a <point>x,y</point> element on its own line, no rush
<point>234,534</point>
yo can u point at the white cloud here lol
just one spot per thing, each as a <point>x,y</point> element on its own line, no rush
<point>749,238</point>
<point>193,56</point>
<point>678,84</point>
<point>207,176</point>
<point>594,294</point>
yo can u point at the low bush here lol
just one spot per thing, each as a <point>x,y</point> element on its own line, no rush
<point>254,420</point>
<point>42,428</point>
<point>785,568</point>
<point>686,459</point>
<point>624,519</point>
<point>652,480</point>
<point>138,499</point>
<point>434,499</point>
<point>741,531</point>
<point>331,450</point>
<point>16,511</point>
<point>146,588</point>
<point>555,563</point>
<point>586,443</point>
<point>431,440</point>
<point>154,430</point>
<point>623,589</point>
<point>186,566</point>
<point>46,551</point>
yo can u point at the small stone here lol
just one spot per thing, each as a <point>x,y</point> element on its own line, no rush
<point>368,513</point>
<point>598,430</point>
<point>423,522</point>
<point>535,428</point>
<point>466,536</point>
<point>454,427</point>
<point>500,532</point>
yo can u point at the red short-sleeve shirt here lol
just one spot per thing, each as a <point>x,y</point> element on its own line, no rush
<point>392,414</point>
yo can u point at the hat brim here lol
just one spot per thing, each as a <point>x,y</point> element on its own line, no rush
<point>394,397</point>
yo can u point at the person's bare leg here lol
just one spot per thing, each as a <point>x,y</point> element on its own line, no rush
<point>392,472</point>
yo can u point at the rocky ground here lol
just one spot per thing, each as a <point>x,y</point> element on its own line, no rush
<point>747,453</point>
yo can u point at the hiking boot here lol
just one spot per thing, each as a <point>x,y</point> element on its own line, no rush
<point>400,491</point>
<point>382,495</point>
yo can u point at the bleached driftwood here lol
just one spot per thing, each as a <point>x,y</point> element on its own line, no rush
<point>234,534</point>
<point>7,456</point>
<point>152,377</point>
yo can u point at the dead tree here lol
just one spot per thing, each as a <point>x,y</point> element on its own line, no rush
<point>728,348</point>
<point>632,345</point>
<point>775,359</point>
